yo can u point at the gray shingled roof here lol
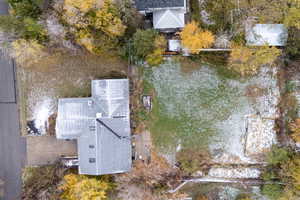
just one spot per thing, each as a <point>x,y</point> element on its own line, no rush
<point>100,151</point>
<point>149,4</point>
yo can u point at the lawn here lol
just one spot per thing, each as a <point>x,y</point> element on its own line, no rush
<point>205,110</point>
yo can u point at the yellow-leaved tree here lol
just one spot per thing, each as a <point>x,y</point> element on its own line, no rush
<point>195,39</point>
<point>295,128</point>
<point>247,60</point>
<point>292,17</point>
<point>96,26</point>
<point>83,6</point>
<point>107,20</point>
<point>81,187</point>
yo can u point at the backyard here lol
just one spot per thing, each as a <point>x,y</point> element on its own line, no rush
<point>207,110</point>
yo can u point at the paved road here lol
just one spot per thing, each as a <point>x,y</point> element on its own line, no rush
<point>7,90</point>
<point>12,145</point>
<point>3,7</point>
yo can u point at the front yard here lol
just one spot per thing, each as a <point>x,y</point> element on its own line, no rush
<point>41,85</point>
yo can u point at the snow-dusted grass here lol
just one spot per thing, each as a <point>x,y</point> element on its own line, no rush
<point>188,106</point>
<point>204,110</point>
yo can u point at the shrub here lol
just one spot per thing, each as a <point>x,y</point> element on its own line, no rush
<point>196,39</point>
<point>247,61</point>
<point>155,58</point>
<point>291,173</point>
<point>149,45</point>
<point>11,24</point>
<point>27,28</point>
<point>278,155</point>
<point>295,129</point>
<point>293,18</point>
<point>81,187</point>
<point>26,8</point>
<point>284,167</point>
<point>143,42</point>
<point>34,31</point>
<point>293,43</point>
<point>273,191</point>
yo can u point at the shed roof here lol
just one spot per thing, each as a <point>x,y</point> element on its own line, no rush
<point>266,34</point>
<point>151,4</point>
<point>101,126</point>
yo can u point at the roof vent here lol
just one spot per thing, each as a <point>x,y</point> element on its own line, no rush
<point>90,103</point>
<point>98,115</point>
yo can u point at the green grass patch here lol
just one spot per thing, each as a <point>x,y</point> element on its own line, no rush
<point>186,107</point>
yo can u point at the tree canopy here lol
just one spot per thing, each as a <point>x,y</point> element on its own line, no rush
<point>195,39</point>
<point>96,27</point>
<point>247,61</point>
<point>81,187</point>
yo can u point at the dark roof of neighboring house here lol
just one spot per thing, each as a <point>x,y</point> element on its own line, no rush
<point>146,4</point>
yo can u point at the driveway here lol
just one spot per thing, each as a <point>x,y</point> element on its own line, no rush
<point>12,145</point>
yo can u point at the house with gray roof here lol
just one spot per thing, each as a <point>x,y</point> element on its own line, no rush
<point>167,15</point>
<point>266,34</point>
<point>101,126</point>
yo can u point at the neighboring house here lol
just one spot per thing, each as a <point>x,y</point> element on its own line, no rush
<point>101,125</point>
<point>266,34</point>
<point>167,15</point>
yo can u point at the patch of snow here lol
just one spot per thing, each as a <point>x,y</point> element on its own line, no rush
<point>228,192</point>
<point>54,27</point>
<point>236,173</point>
<point>260,135</point>
<point>41,115</point>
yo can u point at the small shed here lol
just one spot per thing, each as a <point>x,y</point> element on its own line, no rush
<point>174,45</point>
<point>266,34</point>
